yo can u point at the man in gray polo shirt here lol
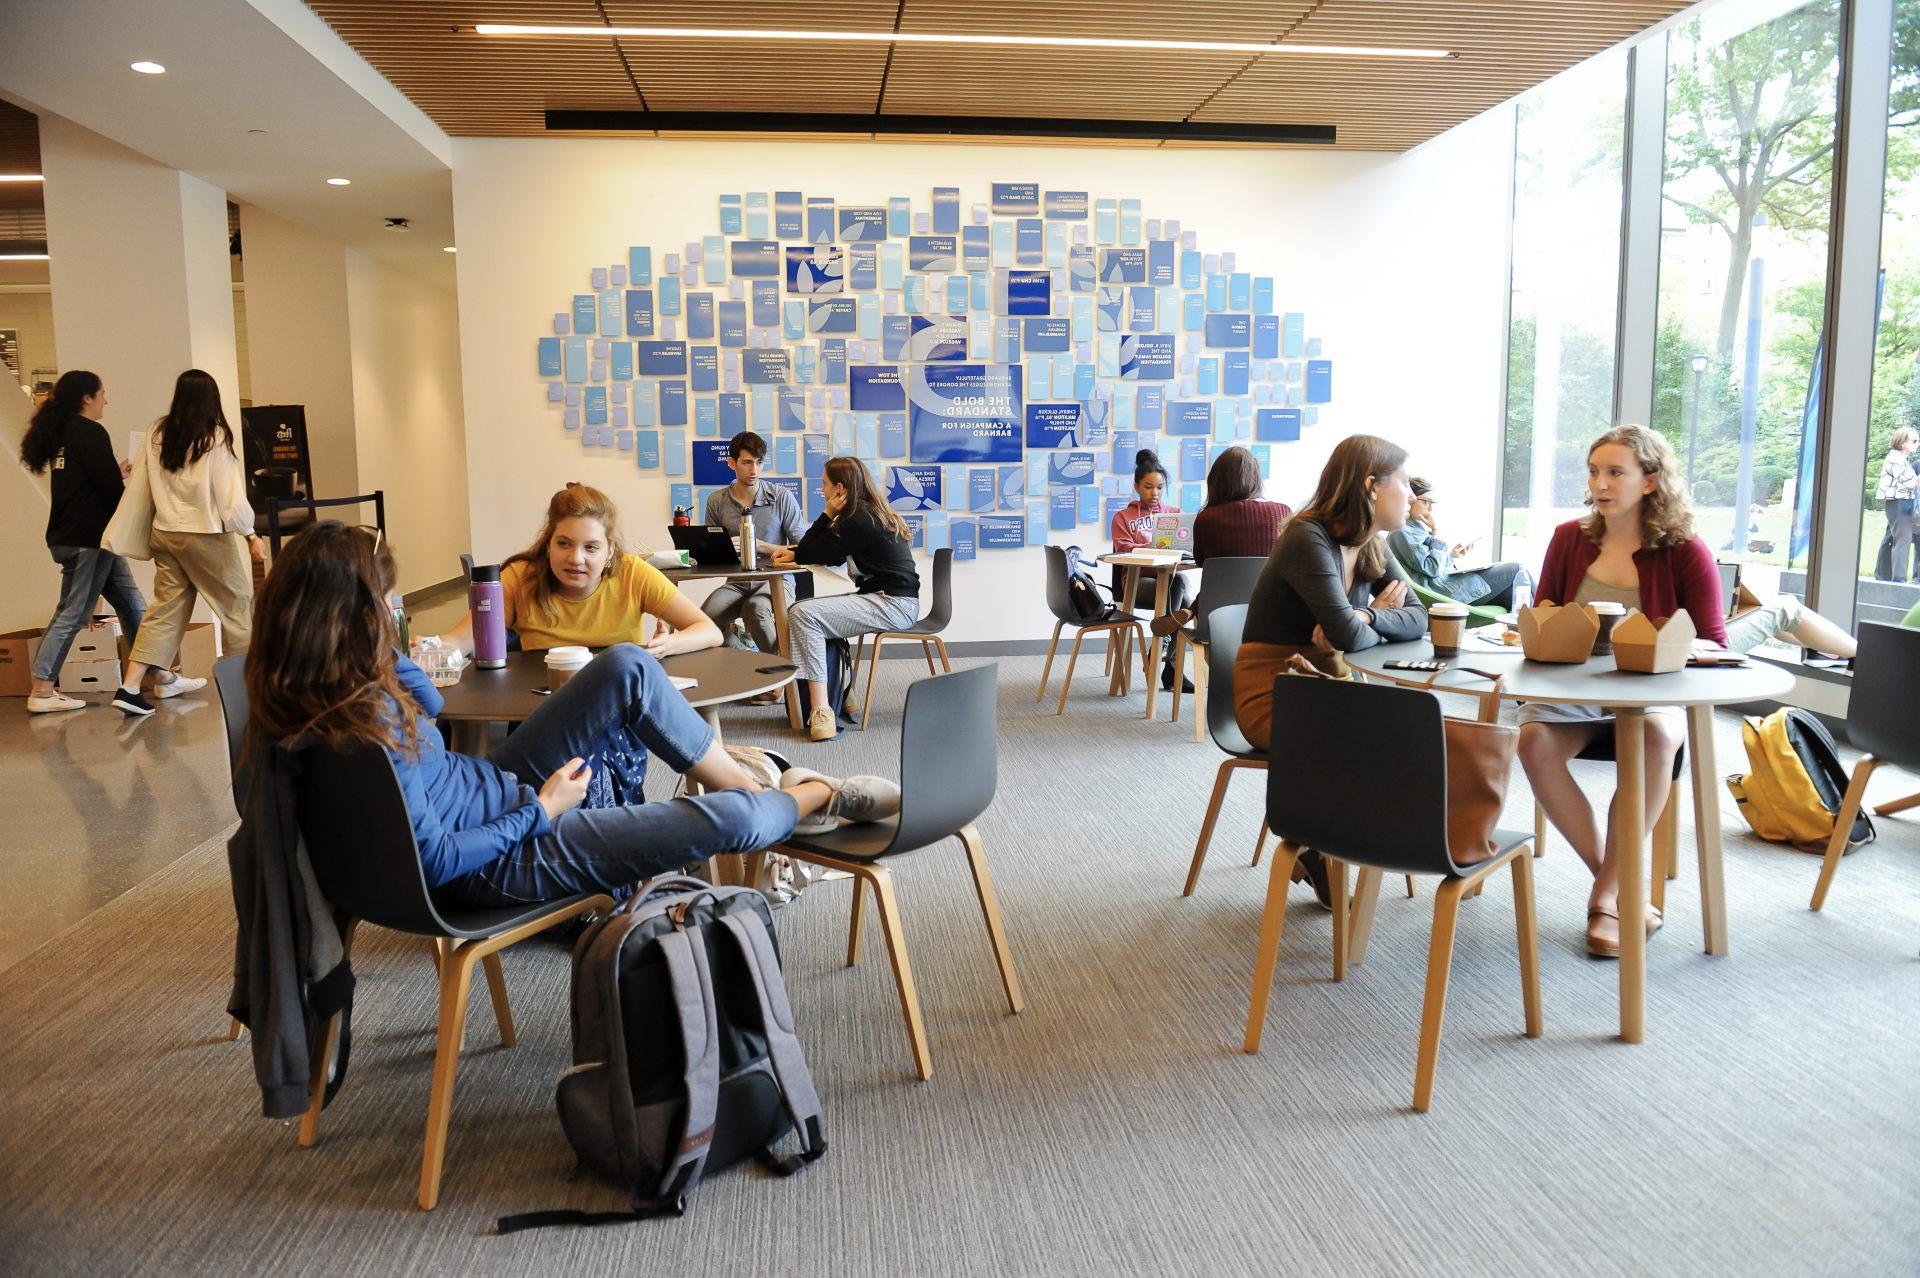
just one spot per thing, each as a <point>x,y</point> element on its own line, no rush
<point>777,521</point>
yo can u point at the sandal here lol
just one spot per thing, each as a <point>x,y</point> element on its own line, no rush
<point>1603,939</point>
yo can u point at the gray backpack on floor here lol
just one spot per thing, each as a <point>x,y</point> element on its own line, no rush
<point>685,1060</point>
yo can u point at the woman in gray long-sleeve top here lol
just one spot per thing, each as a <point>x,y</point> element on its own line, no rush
<point>1329,587</point>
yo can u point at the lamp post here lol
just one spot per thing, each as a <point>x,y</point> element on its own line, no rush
<point>1693,419</point>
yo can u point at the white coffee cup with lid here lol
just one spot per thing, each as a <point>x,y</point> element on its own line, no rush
<point>1609,613</point>
<point>1446,621</point>
<point>563,663</point>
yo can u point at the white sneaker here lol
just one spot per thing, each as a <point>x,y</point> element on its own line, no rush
<point>53,702</point>
<point>175,686</point>
<point>854,799</point>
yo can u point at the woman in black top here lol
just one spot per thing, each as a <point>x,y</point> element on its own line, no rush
<point>859,526</point>
<point>66,439</point>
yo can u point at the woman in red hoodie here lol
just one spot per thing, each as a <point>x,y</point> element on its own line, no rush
<point>1637,547</point>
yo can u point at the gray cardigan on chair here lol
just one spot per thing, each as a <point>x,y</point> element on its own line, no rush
<point>1302,586</point>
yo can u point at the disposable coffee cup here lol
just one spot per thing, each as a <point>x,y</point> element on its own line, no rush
<point>1446,622</point>
<point>1609,614</point>
<point>563,664</point>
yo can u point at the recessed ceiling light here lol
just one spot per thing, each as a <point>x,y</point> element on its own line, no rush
<point>930,37</point>
<point>22,177</point>
<point>149,68</point>
<point>449,249</point>
<point>339,181</point>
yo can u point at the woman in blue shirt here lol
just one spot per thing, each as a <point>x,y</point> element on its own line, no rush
<point>324,671</point>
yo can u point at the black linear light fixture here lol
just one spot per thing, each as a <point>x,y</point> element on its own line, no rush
<point>632,121</point>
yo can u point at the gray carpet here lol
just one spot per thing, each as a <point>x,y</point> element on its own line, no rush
<point>1768,1125</point>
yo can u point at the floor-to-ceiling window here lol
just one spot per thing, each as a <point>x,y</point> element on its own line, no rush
<point>1743,263</point>
<point>1566,277</point>
<point>1883,595</point>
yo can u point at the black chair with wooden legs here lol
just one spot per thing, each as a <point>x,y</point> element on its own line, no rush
<point>1315,785</point>
<point>1881,724</point>
<point>1114,623</point>
<point>1225,580</point>
<point>1224,628</point>
<point>948,773</point>
<point>926,631</point>
<point>360,840</point>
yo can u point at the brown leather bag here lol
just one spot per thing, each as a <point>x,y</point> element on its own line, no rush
<point>1479,762</point>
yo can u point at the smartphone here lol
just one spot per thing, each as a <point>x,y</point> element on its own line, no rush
<point>1415,665</point>
<point>582,769</point>
<point>779,669</point>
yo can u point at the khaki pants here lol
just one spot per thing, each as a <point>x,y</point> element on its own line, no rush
<point>186,566</point>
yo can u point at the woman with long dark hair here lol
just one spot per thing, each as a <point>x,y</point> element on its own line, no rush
<point>1236,522</point>
<point>327,671</point>
<point>202,533</point>
<point>857,525</point>
<point>66,441</point>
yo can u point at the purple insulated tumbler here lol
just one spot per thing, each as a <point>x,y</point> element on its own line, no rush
<point>489,617</point>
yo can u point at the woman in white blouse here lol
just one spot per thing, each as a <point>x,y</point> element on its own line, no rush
<point>1895,493</point>
<point>202,535</point>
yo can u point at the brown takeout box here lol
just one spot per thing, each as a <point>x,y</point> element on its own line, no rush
<point>1652,647</point>
<point>1549,632</point>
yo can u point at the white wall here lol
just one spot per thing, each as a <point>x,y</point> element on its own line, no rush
<point>1399,263</point>
<point>412,442</point>
<point>298,351</point>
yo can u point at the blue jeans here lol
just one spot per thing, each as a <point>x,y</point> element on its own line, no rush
<point>86,573</point>
<point>619,708</point>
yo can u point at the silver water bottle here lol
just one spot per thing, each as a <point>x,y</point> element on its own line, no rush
<point>749,544</point>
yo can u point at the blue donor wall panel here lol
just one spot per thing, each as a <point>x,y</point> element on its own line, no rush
<point>993,353</point>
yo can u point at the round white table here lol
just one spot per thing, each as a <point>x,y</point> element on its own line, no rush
<point>1629,696</point>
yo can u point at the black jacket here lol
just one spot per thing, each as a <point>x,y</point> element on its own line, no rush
<point>290,970</point>
<point>86,483</point>
<point>882,559</point>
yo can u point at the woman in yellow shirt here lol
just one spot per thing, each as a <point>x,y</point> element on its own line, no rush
<point>577,584</point>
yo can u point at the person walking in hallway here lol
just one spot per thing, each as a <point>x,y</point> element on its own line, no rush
<point>1896,493</point>
<point>66,441</point>
<point>202,536</point>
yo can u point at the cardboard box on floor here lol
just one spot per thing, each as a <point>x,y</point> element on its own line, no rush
<point>97,641</point>
<point>17,649</point>
<point>80,677</point>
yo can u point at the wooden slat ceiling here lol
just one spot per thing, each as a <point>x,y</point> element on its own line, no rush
<point>480,86</point>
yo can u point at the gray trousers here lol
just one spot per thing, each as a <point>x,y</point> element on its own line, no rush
<point>811,622</point>
<point>751,602</point>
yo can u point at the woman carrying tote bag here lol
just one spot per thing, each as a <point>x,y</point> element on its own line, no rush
<point>201,537</point>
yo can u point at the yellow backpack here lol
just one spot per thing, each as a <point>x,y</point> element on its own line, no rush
<point>1797,783</point>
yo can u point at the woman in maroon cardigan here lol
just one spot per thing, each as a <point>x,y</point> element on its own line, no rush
<point>1637,547</point>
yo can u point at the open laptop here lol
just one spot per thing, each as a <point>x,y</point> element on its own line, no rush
<point>710,545</point>
<point>1173,532</point>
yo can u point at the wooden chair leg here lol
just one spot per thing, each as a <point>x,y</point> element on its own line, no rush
<point>1072,658</point>
<point>497,987</point>
<point>1179,663</point>
<point>990,908</point>
<point>1666,837</point>
<point>1202,672</point>
<point>1409,887</point>
<point>1843,826</point>
<point>1539,830</point>
<point>1446,913</point>
<point>455,981</point>
<point>873,668</point>
<point>882,883</point>
<point>1366,894</point>
<point>1273,921</point>
<point>857,923</point>
<point>1220,780</point>
<point>1047,669</point>
<point>233,1028</point>
<point>926,650</point>
<point>317,1081</point>
<point>945,663</point>
<point>1337,880</point>
<point>1898,805</point>
<point>1260,844</point>
<point>1527,926</point>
